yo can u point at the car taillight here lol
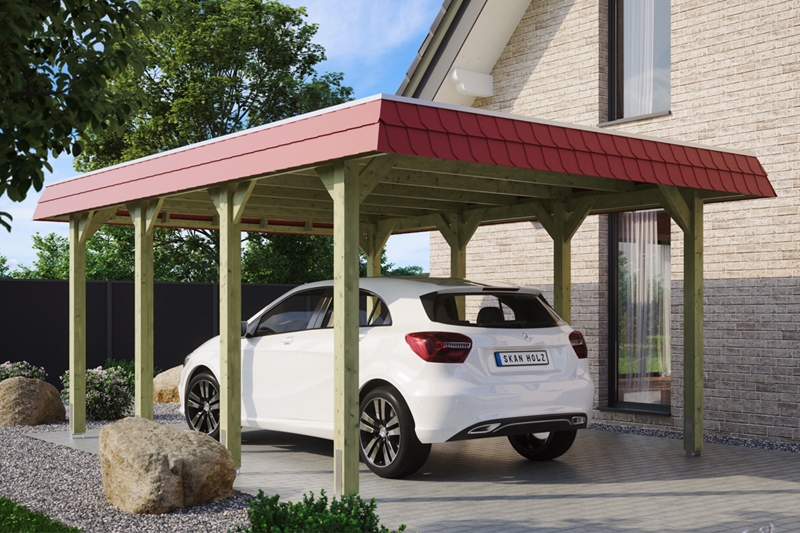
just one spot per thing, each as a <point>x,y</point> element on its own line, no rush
<point>579,344</point>
<point>440,346</point>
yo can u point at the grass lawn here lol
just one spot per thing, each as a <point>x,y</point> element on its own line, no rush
<point>15,518</point>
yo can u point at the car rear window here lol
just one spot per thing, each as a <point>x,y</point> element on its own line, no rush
<point>491,310</point>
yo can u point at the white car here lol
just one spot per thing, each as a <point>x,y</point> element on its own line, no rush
<point>440,360</point>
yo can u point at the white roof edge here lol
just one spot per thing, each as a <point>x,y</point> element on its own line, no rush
<point>424,46</point>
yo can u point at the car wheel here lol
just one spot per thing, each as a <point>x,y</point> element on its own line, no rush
<point>388,442</point>
<point>203,404</point>
<point>543,446</point>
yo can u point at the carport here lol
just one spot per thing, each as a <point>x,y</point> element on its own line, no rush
<point>381,165</point>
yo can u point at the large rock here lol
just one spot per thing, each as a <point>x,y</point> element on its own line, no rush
<point>154,469</point>
<point>29,402</point>
<point>165,385</point>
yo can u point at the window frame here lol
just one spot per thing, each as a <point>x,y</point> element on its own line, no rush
<point>252,329</point>
<point>614,404</point>
<point>616,84</point>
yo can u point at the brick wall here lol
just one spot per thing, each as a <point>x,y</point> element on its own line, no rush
<point>736,85</point>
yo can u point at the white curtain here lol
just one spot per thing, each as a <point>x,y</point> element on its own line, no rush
<point>644,305</point>
<point>638,68</point>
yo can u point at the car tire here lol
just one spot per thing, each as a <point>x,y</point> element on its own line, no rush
<point>203,404</point>
<point>388,443</point>
<point>543,446</point>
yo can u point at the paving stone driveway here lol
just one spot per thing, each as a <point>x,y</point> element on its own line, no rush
<point>606,482</point>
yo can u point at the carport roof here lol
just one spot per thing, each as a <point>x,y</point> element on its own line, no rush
<point>440,158</point>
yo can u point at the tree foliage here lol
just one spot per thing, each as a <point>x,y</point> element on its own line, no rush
<point>110,254</point>
<point>56,60</point>
<point>218,67</point>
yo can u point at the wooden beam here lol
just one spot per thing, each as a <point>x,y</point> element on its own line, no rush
<point>144,214</point>
<point>562,263</point>
<point>230,318</point>
<point>676,206</point>
<point>577,216</point>
<point>81,227</point>
<point>240,198</point>
<point>540,177</point>
<point>389,190</point>
<point>77,325</point>
<point>693,327</point>
<point>342,182</point>
<point>372,239</point>
<point>373,173</point>
<point>457,183</point>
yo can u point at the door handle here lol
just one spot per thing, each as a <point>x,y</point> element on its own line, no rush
<point>290,340</point>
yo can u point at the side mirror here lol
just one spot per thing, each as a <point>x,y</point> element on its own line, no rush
<point>244,328</point>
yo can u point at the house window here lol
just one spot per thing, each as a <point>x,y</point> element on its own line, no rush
<point>639,351</point>
<point>639,58</point>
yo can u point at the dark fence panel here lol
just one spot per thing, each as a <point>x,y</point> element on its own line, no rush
<point>34,320</point>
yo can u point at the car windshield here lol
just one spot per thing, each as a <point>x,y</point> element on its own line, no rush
<point>491,310</point>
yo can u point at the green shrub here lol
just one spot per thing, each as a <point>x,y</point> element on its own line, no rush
<point>22,369</point>
<point>351,514</point>
<point>17,519</point>
<point>109,393</point>
<point>128,366</point>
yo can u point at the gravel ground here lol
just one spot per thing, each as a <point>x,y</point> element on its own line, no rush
<point>716,439</point>
<point>65,484</point>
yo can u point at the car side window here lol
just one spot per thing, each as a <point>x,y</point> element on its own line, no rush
<point>293,314</point>
<point>372,311</point>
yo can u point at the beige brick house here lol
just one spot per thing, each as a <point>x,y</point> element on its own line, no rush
<point>723,73</point>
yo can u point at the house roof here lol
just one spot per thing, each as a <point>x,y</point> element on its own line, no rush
<point>443,159</point>
<point>467,35</point>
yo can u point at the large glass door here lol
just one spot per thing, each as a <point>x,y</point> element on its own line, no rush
<point>639,324</point>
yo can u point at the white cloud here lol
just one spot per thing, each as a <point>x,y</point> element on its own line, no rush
<point>364,31</point>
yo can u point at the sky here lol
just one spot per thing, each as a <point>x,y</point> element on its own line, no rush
<point>373,42</point>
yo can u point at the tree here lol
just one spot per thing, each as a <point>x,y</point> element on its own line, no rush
<point>3,267</point>
<point>56,60</point>
<point>110,255</point>
<point>220,66</point>
<point>287,259</point>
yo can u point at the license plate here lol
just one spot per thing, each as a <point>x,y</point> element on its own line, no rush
<point>538,357</point>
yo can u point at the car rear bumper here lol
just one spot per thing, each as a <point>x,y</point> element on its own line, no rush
<point>523,426</point>
<point>450,412</point>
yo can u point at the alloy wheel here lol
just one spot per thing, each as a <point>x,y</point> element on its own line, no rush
<point>380,432</point>
<point>203,405</point>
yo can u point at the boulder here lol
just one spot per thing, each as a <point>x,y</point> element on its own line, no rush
<point>155,469</point>
<point>29,402</point>
<point>165,386</point>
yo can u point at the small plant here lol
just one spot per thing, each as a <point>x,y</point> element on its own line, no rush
<point>22,369</point>
<point>18,519</point>
<point>351,514</point>
<point>128,366</point>
<point>109,393</point>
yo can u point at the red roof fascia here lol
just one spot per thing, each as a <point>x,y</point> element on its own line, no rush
<point>410,127</point>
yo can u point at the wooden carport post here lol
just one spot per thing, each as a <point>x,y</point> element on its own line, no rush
<point>229,200</point>
<point>342,182</point>
<point>686,209</point>
<point>144,214</point>
<point>81,227</point>
<point>561,222</point>
<point>372,240</point>
<point>457,230</point>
